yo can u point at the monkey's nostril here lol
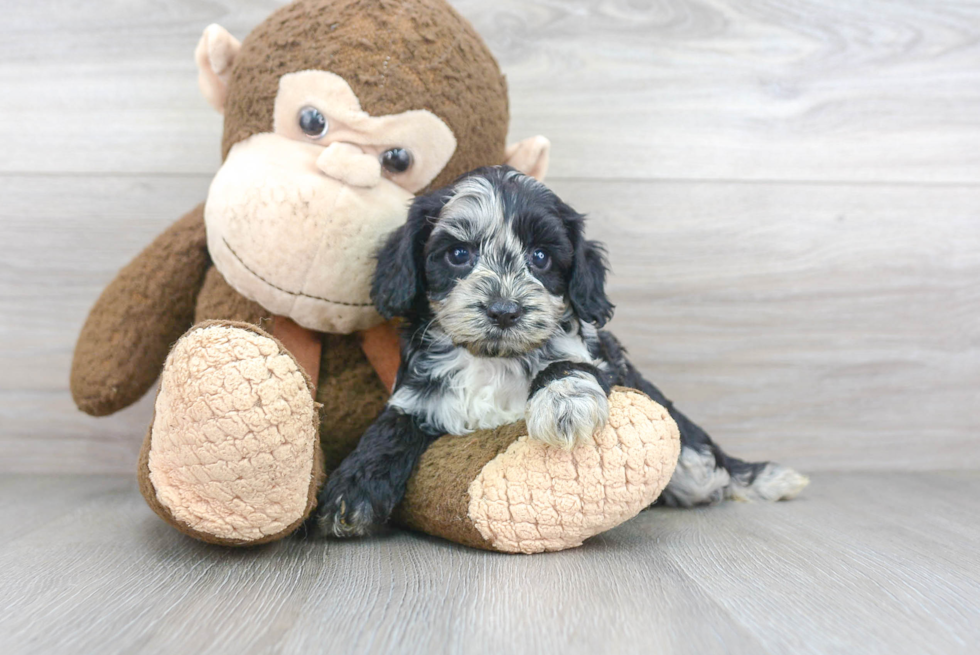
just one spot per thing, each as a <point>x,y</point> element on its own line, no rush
<point>504,313</point>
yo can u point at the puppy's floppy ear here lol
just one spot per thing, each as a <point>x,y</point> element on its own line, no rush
<point>587,281</point>
<point>399,279</point>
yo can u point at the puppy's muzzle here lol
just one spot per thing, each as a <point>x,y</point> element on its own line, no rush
<point>504,313</point>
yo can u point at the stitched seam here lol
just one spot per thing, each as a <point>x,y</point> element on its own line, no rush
<point>391,47</point>
<point>292,293</point>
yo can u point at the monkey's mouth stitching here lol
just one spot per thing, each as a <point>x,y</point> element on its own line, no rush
<point>292,293</point>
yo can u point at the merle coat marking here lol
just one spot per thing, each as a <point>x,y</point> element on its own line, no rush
<point>503,297</point>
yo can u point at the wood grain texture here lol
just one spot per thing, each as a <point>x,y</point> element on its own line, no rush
<point>828,322</point>
<point>832,90</point>
<point>894,573</point>
<point>829,326</point>
<point>66,237</point>
<point>778,89</point>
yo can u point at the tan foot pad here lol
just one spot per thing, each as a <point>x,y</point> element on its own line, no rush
<point>232,446</point>
<point>533,497</point>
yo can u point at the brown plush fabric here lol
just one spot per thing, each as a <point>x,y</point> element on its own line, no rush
<point>500,490</point>
<point>217,301</point>
<point>437,499</point>
<point>396,55</point>
<point>351,393</point>
<point>142,312</point>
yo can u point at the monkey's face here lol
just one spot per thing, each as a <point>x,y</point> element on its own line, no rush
<point>294,216</point>
<point>336,114</point>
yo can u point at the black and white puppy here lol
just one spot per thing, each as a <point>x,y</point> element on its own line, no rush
<point>502,297</point>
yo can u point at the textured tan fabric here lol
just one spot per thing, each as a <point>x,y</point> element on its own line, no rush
<point>232,446</point>
<point>349,390</point>
<point>297,242</point>
<point>215,54</point>
<point>534,497</point>
<point>499,490</point>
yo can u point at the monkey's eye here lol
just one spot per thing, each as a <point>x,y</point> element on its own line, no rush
<point>459,255</point>
<point>540,259</point>
<point>312,122</point>
<point>396,160</point>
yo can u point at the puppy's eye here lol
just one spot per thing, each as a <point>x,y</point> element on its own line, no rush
<point>396,160</point>
<point>540,259</point>
<point>313,122</point>
<point>459,256</point>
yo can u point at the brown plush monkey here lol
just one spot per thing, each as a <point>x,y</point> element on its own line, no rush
<point>336,114</point>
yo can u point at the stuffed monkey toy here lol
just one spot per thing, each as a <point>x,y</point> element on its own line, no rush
<point>254,311</point>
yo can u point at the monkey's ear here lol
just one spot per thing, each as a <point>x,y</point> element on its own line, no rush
<point>587,281</point>
<point>530,156</point>
<point>399,279</point>
<point>215,54</point>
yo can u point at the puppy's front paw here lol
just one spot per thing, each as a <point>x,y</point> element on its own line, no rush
<point>567,410</point>
<point>347,509</point>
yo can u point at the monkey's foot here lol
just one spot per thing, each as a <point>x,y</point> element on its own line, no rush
<point>500,490</point>
<point>232,456</point>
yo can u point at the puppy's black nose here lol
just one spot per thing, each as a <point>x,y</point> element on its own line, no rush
<point>504,313</point>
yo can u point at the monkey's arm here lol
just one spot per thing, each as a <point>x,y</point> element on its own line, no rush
<point>142,312</point>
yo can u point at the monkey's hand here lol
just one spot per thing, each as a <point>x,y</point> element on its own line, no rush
<point>568,403</point>
<point>142,312</point>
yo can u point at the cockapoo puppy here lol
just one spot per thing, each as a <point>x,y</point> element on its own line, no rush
<point>502,298</point>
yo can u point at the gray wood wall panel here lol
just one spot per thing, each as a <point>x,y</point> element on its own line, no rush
<point>779,89</point>
<point>790,191</point>
<point>829,326</point>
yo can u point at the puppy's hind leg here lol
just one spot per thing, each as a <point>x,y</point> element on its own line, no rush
<point>765,481</point>
<point>705,473</point>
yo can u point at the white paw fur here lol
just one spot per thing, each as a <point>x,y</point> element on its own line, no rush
<point>567,411</point>
<point>774,482</point>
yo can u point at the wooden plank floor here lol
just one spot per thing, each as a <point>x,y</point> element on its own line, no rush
<point>863,563</point>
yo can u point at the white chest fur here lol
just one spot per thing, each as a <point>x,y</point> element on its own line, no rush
<point>473,393</point>
<point>487,392</point>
